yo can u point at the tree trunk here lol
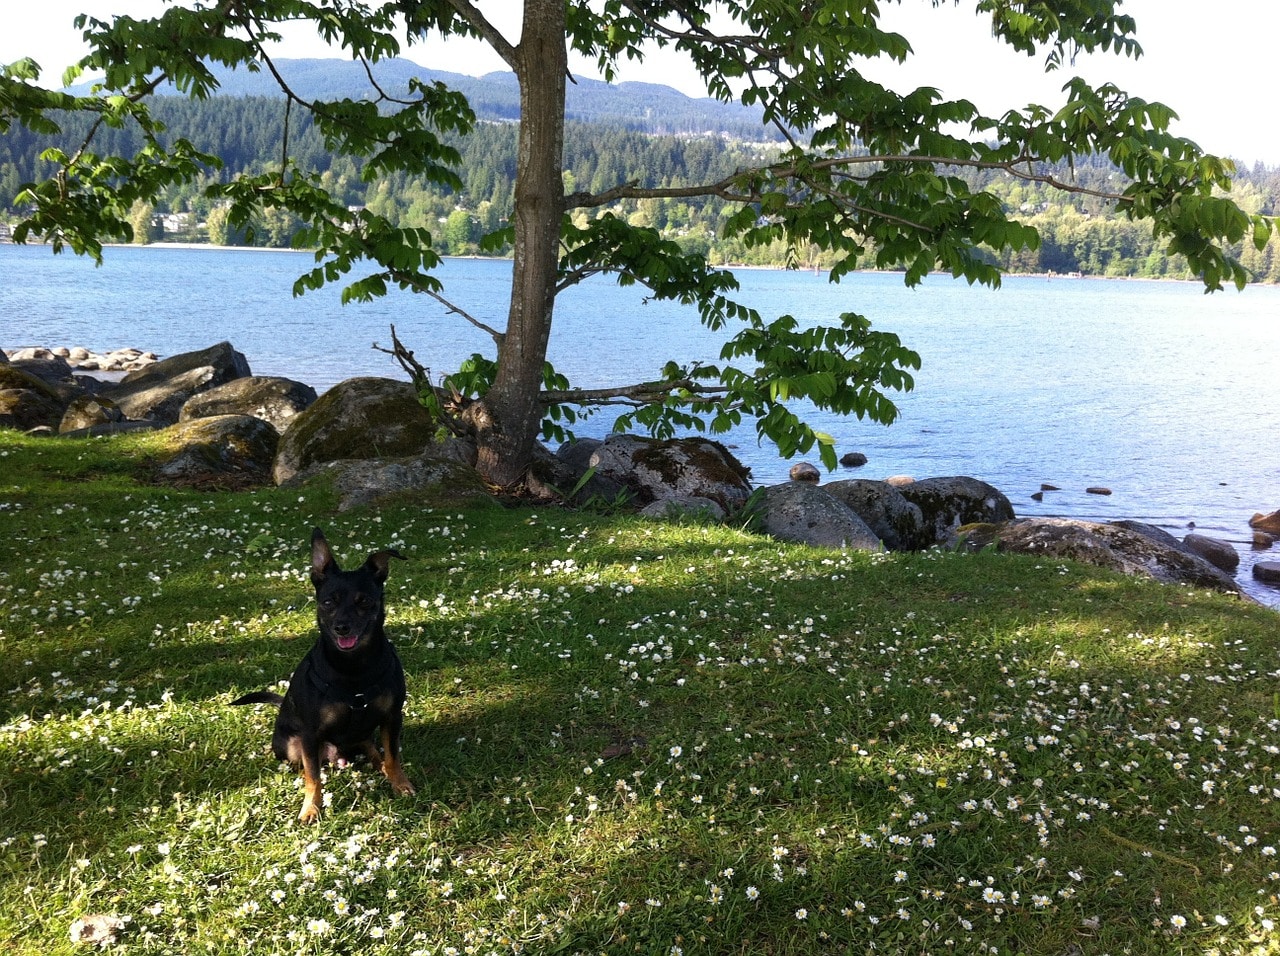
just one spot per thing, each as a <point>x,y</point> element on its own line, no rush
<point>507,419</point>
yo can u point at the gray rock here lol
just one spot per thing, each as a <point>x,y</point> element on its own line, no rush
<point>275,400</point>
<point>804,471</point>
<point>159,390</point>
<point>677,508</point>
<point>1268,572</point>
<point>1268,523</point>
<point>26,409</point>
<point>679,468</point>
<point>1221,554</point>
<point>240,448</point>
<point>88,411</point>
<point>947,503</point>
<point>1151,531</point>
<point>568,475</point>
<point>358,418</point>
<point>374,481</point>
<point>854,459</point>
<point>889,515</point>
<point>577,453</point>
<point>807,514</point>
<point>1105,545</point>
<point>51,369</point>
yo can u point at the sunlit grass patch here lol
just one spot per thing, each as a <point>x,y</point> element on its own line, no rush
<point>626,737</point>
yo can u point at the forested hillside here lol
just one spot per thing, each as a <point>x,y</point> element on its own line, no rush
<point>661,147</point>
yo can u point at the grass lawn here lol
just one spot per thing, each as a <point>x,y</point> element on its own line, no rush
<point>626,737</point>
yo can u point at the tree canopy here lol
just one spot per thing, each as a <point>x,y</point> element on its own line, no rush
<point>868,175</point>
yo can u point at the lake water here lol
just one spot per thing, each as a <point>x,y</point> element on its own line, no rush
<point>1165,395</point>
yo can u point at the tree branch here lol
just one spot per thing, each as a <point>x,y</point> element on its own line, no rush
<point>642,393</point>
<point>417,284</point>
<point>469,12</point>
<point>726,188</point>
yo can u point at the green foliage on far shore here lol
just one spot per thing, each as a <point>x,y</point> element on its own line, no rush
<point>1078,233</point>
<point>626,737</point>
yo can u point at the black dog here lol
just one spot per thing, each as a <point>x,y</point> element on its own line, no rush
<point>349,685</point>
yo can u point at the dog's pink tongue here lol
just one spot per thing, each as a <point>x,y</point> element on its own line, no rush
<point>346,642</point>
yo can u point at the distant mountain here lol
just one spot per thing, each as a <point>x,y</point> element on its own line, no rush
<point>643,107</point>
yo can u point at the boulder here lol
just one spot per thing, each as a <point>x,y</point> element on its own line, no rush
<point>88,411</point>
<point>51,369</point>
<point>577,453</point>
<point>26,409</point>
<point>1268,523</point>
<point>1106,545</point>
<point>808,514</point>
<point>677,508</point>
<point>358,418</point>
<point>947,503</point>
<point>373,481</point>
<point>1221,554</point>
<point>652,469</point>
<point>27,353</point>
<point>28,401</point>
<point>854,459</point>
<point>275,400</point>
<point>890,516</point>
<point>568,475</point>
<point>1262,541</point>
<point>1151,531</point>
<point>225,447</point>
<point>803,471</point>
<point>1268,572</point>
<point>159,390</point>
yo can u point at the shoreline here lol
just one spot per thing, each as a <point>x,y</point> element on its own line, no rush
<point>731,267</point>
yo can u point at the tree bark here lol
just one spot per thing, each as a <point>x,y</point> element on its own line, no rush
<point>507,419</point>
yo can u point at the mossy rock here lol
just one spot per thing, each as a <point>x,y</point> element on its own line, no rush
<point>356,419</point>
<point>895,520</point>
<point>428,480</point>
<point>677,468</point>
<point>204,450</point>
<point>15,379</point>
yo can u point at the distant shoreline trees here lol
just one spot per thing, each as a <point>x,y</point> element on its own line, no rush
<point>1078,234</point>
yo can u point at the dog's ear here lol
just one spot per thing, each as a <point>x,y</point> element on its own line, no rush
<point>322,560</point>
<point>380,563</point>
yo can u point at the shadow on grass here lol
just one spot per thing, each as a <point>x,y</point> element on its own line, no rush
<point>716,697</point>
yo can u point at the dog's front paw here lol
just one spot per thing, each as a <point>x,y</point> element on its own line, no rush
<point>310,813</point>
<point>400,783</point>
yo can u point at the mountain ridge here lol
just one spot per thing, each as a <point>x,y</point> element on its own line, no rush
<point>495,97</point>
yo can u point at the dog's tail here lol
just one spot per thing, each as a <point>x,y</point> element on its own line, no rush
<point>259,697</point>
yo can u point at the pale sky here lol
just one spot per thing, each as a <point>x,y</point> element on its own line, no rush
<point>1214,64</point>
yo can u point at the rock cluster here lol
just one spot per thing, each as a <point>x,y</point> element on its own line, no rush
<point>223,424</point>
<point>372,440</point>
<point>83,360</point>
